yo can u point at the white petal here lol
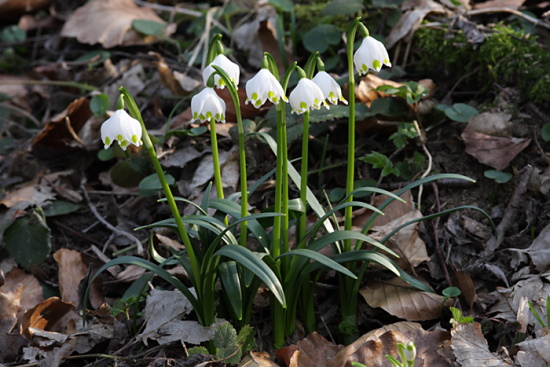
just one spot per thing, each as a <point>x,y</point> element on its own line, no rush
<point>370,56</point>
<point>264,86</point>
<point>231,69</point>
<point>306,96</point>
<point>122,128</point>
<point>330,88</point>
<point>206,105</point>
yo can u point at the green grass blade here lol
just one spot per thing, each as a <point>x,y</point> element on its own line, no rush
<point>229,277</point>
<point>320,258</point>
<point>333,237</point>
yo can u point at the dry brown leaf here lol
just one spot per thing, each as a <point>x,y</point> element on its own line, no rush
<point>512,4</point>
<point>466,285</point>
<point>46,315</point>
<point>493,151</point>
<point>471,348</point>
<point>410,21</point>
<point>312,351</point>
<point>72,270</point>
<point>393,211</point>
<point>406,243</point>
<point>60,133</point>
<point>534,353</point>
<point>257,359</point>
<point>398,298</point>
<point>178,83</point>
<point>32,292</point>
<point>109,22</point>
<point>365,90</point>
<point>539,251</point>
<point>372,350</point>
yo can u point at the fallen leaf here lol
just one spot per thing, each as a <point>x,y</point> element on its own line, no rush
<point>539,251</point>
<point>179,84</point>
<point>534,353</point>
<point>398,298</point>
<point>312,351</point>
<point>109,22</point>
<point>393,211</point>
<point>72,269</point>
<point>257,359</point>
<point>410,21</point>
<point>60,133</point>
<point>540,180</point>
<point>471,348</point>
<point>32,292</point>
<point>372,350</point>
<point>512,4</point>
<point>406,243</point>
<point>493,151</point>
<point>46,316</point>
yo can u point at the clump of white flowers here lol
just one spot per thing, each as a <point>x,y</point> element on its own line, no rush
<point>370,56</point>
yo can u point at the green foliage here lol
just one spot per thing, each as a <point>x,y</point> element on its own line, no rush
<point>411,92</point>
<point>99,104</point>
<point>405,131</point>
<point>150,185</point>
<point>28,239</point>
<point>343,7</point>
<point>499,176</point>
<point>546,132</point>
<point>60,207</point>
<point>459,112</point>
<point>381,161</point>
<point>230,346</point>
<point>321,37</point>
<point>458,318</point>
<point>537,316</point>
<point>506,56</point>
<point>148,27</point>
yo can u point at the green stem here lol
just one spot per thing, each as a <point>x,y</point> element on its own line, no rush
<point>216,159</point>
<point>351,130</point>
<point>242,152</point>
<point>196,276</point>
<point>302,223</point>
<point>277,221</point>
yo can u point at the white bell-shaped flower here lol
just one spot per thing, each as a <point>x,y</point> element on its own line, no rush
<point>330,88</point>
<point>371,55</point>
<point>264,86</point>
<point>231,69</point>
<point>123,128</point>
<point>306,96</point>
<point>206,105</point>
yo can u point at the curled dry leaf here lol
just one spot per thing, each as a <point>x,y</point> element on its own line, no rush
<point>179,84</point>
<point>539,251</point>
<point>471,348</point>
<point>372,350</point>
<point>14,8</point>
<point>257,359</point>
<point>109,22</point>
<point>46,316</point>
<point>32,292</point>
<point>60,133</point>
<point>398,298</point>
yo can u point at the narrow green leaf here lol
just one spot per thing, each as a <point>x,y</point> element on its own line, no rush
<point>246,258</point>
<point>333,237</point>
<point>229,276</point>
<point>321,259</point>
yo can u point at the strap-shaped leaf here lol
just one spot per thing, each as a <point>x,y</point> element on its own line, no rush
<point>246,258</point>
<point>320,258</point>
<point>333,237</point>
<point>229,276</point>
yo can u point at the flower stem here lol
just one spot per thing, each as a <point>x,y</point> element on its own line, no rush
<point>242,151</point>
<point>351,130</point>
<point>302,222</point>
<point>216,159</point>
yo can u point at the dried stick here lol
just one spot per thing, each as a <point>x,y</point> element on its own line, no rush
<point>510,213</point>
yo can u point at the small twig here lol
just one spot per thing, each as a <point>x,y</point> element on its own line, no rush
<point>76,233</point>
<point>535,21</point>
<point>22,112</point>
<point>429,169</point>
<point>436,236</point>
<point>72,132</point>
<point>510,213</point>
<point>109,225</point>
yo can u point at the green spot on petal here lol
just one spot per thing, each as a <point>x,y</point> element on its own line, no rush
<point>134,139</point>
<point>270,95</point>
<point>258,103</point>
<point>123,143</point>
<point>209,115</point>
<point>195,115</point>
<point>303,105</point>
<point>254,96</point>
<point>119,138</point>
<point>107,141</point>
<point>202,117</point>
<point>376,65</point>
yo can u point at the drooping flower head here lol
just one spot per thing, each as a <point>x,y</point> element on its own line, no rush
<point>370,55</point>
<point>306,96</point>
<point>264,86</point>
<point>123,128</point>
<point>206,105</point>
<point>330,88</point>
<point>230,68</point>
